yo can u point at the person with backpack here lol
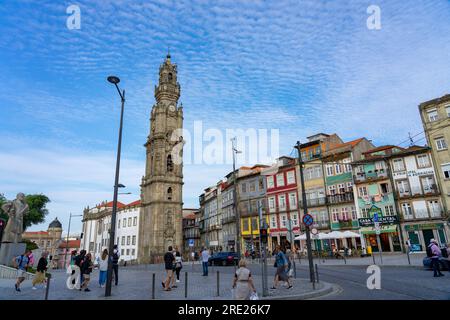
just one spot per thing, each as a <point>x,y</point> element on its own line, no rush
<point>115,264</point>
<point>102,262</point>
<point>86,269</point>
<point>177,266</point>
<point>40,271</point>
<point>78,262</point>
<point>435,252</point>
<point>281,263</point>
<point>21,263</point>
<point>169,260</point>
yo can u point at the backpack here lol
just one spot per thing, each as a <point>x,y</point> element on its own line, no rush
<point>429,252</point>
<point>115,257</point>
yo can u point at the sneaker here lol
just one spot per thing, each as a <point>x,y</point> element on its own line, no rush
<point>289,287</point>
<point>17,288</point>
<point>178,280</point>
<point>34,288</point>
<point>87,290</point>
<point>162,283</point>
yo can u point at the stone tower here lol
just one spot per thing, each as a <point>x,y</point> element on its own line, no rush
<point>161,188</point>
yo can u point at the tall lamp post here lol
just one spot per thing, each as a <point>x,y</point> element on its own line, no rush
<point>114,80</point>
<point>305,211</point>
<point>236,211</point>
<point>68,233</point>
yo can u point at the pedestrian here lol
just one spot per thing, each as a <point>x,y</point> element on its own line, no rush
<point>281,264</point>
<point>169,261</point>
<point>243,282</point>
<point>408,243</point>
<point>21,263</point>
<point>86,269</point>
<point>177,266</point>
<point>435,255</point>
<point>115,264</point>
<point>78,262</point>
<point>205,260</point>
<point>30,261</point>
<point>102,262</point>
<point>39,277</point>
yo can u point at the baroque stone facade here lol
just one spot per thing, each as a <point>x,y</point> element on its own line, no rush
<point>161,187</point>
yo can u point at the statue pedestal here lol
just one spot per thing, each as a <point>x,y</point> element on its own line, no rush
<point>9,250</point>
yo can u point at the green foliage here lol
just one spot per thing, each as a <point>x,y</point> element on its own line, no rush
<point>30,245</point>
<point>37,204</point>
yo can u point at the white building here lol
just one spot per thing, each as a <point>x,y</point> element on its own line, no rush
<point>97,223</point>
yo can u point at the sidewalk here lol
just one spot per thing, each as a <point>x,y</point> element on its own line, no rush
<point>135,283</point>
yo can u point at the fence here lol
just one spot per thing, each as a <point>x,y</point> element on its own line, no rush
<point>11,273</point>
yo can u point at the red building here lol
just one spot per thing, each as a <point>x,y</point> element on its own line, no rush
<point>282,202</point>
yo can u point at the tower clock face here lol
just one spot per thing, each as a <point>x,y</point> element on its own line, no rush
<point>172,108</point>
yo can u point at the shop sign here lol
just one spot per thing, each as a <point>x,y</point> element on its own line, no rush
<point>364,222</point>
<point>416,227</point>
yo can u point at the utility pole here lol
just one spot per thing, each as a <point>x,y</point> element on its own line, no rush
<point>262,249</point>
<point>235,202</point>
<point>305,211</point>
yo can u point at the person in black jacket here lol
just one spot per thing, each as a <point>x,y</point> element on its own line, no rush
<point>86,269</point>
<point>78,262</point>
<point>115,263</point>
<point>40,271</point>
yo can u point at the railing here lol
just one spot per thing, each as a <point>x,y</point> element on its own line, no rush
<point>423,214</point>
<point>345,224</point>
<point>314,202</point>
<point>321,225</point>
<point>11,273</point>
<point>416,191</point>
<point>367,176</point>
<point>340,198</point>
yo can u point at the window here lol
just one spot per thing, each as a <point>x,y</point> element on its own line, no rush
<point>123,240</point>
<point>282,202</point>
<point>334,214</point>
<point>332,190</point>
<point>354,215</point>
<point>283,221</point>
<point>447,108</point>
<point>398,165</point>
<point>428,184</point>
<point>362,192</point>
<point>423,160</point>
<point>338,169</point>
<point>128,252</point>
<point>169,193</point>
<point>446,170</point>
<point>407,211</point>
<point>389,211</point>
<point>280,180</point>
<point>349,186</point>
<point>129,222</point>
<point>117,242</point>
<point>435,208</point>
<point>292,201</point>
<point>261,184</point>
<point>118,225</point>
<point>295,220</point>
<point>273,222</point>
<point>124,224</point>
<point>133,252</point>
<point>341,188</point>
<point>272,204</point>
<point>441,144</point>
<point>379,165</point>
<point>290,177</point>
<point>135,221</point>
<point>384,188</point>
<point>121,252</point>
<point>169,163</point>
<point>48,243</point>
<point>128,240</point>
<point>133,242</point>
<point>347,166</point>
<point>344,212</point>
<point>244,187</point>
<point>252,187</point>
<point>329,169</point>
<point>432,115</point>
<point>245,224</point>
<point>365,212</point>
<point>303,153</point>
<point>270,183</point>
<point>403,187</point>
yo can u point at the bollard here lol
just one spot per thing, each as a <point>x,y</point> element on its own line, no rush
<point>317,274</point>
<point>48,285</point>
<point>185,284</point>
<point>218,280</point>
<point>153,287</point>
<point>409,261</point>
<point>314,285</point>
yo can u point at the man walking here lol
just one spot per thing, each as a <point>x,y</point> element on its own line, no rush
<point>39,277</point>
<point>436,254</point>
<point>21,263</point>
<point>169,262</point>
<point>115,264</point>
<point>205,258</point>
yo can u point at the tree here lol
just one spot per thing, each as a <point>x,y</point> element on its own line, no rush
<point>30,245</point>
<point>37,212</point>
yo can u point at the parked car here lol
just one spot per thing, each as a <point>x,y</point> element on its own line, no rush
<point>223,259</point>
<point>443,262</point>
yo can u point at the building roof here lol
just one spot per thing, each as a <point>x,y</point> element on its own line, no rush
<point>435,101</point>
<point>35,233</point>
<point>110,204</point>
<point>349,143</point>
<point>134,203</point>
<point>381,148</point>
<point>55,224</point>
<point>70,244</point>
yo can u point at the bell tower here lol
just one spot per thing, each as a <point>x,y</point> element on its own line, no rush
<point>161,188</point>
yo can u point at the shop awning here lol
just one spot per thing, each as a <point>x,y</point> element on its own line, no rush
<point>383,229</point>
<point>330,235</point>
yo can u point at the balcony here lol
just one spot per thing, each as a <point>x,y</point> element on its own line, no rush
<point>433,190</point>
<point>317,202</point>
<point>420,214</point>
<point>340,198</point>
<point>321,225</point>
<point>370,176</point>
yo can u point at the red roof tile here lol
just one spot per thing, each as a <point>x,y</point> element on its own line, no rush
<point>110,204</point>
<point>71,244</point>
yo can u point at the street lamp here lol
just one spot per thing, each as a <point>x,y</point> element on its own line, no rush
<point>68,233</point>
<point>115,80</point>
<point>236,211</point>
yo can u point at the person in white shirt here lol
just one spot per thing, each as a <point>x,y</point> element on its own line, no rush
<point>205,258</point>
<point>102,262</point>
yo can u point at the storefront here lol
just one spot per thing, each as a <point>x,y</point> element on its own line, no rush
<point>420,234</point>
<point>389,238</point>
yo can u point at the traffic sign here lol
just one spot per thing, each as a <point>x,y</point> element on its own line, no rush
<point>377,228</point>
<point>191,242</point>
<point>375,217</point>
<point>314,231</point>
<point>308,220</point>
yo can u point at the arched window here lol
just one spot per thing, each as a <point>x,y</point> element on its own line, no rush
<point>170,77</point>
<point>169,163</point>
<point>169,193</point>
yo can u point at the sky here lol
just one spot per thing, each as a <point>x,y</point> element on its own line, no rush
<point>296,66</point>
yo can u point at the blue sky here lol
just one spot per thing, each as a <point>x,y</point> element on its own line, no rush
<point>298,66</point>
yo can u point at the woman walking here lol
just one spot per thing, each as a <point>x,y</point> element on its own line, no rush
<point>40,271</point>
<point>243,282</point>
<point>282,265</point>
<point>86,269</point>
<point>177,266</point>
<point>102,262</point>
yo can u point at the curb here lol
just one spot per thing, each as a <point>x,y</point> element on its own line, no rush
<point>327,289</point>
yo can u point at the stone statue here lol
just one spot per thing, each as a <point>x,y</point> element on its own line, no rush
<point>15,210</point>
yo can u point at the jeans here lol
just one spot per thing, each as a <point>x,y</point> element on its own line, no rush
<point>116,273</point>
<point>102,277</point>
<point>435,265</point>
<point>205,268</point>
